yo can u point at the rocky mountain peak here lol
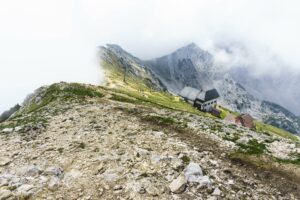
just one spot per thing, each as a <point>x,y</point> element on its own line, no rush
<point>192,51</point>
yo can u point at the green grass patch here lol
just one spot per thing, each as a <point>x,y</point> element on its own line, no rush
<point>285,161</point>
<point>159,120</point>
<point>252,147</point>
<point>226,111</point>
<point>165,122</point>
<point>81,90</point>
<point>122,98</point>
<point>67,92</point>
<point>185,159</point>
<point>230,138</point>
<point>139,89</point>
<point>223,114</point>
<point>271,130</point>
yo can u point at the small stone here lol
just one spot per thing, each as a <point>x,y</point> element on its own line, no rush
<point>152,190</point>
<point>7,130</point>
<point>53,183</point>
<point>18,128</point>
<point>217,192</point>
<point>25,190</point>
<point>5,194</point>
<point>214,163</point>
<point>230,182</point>
<point>31,170</point>
<point>212,198</point>
<point>55,171</point>
<point>192,172</point>
<point>4,161</point>
<point>99,169</point>
<point>142,190</point>
<point>178,185</point>
<point>158,134</point>
<point>3,182</point>
<point>204,181</point>
<point>209,189</point>
<point>118,187</point>
<point>106,187</point>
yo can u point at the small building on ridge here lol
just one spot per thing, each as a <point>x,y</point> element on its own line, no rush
<point>203,100</point>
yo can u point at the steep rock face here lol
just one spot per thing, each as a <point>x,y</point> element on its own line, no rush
<point>278,116</point>
<point>187,66</point>
<point>114,55</point>
<point>236,97</point>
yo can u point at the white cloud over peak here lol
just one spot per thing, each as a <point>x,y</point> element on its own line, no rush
<point>56,40</point>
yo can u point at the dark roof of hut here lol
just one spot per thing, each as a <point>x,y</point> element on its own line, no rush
<point>208,95</point>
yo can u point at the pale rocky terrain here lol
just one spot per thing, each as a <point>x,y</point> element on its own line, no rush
<point>97,148</point>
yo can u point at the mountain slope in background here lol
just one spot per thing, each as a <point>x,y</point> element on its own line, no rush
<point>132,66</point>
<point>281,88</point>
<point>192,66</point>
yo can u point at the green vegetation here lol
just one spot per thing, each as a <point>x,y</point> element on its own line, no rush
<point>252,147</point>
<point>226,111</point>
<point>165,121</point>
<point>185,159</point>
<point>294,161</point>
<point>223,114</point>
<point>261,127</point>
<point>71,91</point>
<point>248,159</point>
<point>271,130</point>
<point>144,94</point>
<point>33,113</point>
<point>80,90</point>
<point>231,138</point>
<point>82,145</point>
<point>21,120</point>
<point>60,150</point>
<point>123,98</point>
<point>216,127</point>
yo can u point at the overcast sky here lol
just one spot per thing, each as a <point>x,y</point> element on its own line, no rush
<point>46,41</point>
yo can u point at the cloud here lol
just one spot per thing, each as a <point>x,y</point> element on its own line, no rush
<point>49,41</point>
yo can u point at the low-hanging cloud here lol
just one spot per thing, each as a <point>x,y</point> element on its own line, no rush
<point>49,41</point>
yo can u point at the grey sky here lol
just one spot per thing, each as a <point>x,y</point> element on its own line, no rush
<point>56,40</point>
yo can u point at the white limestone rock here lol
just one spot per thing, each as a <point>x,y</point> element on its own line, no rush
<point>5,194</point>
<point>178,185</point>
<point>193,172</point>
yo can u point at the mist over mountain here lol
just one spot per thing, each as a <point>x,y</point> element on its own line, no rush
<point>282,89</point>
